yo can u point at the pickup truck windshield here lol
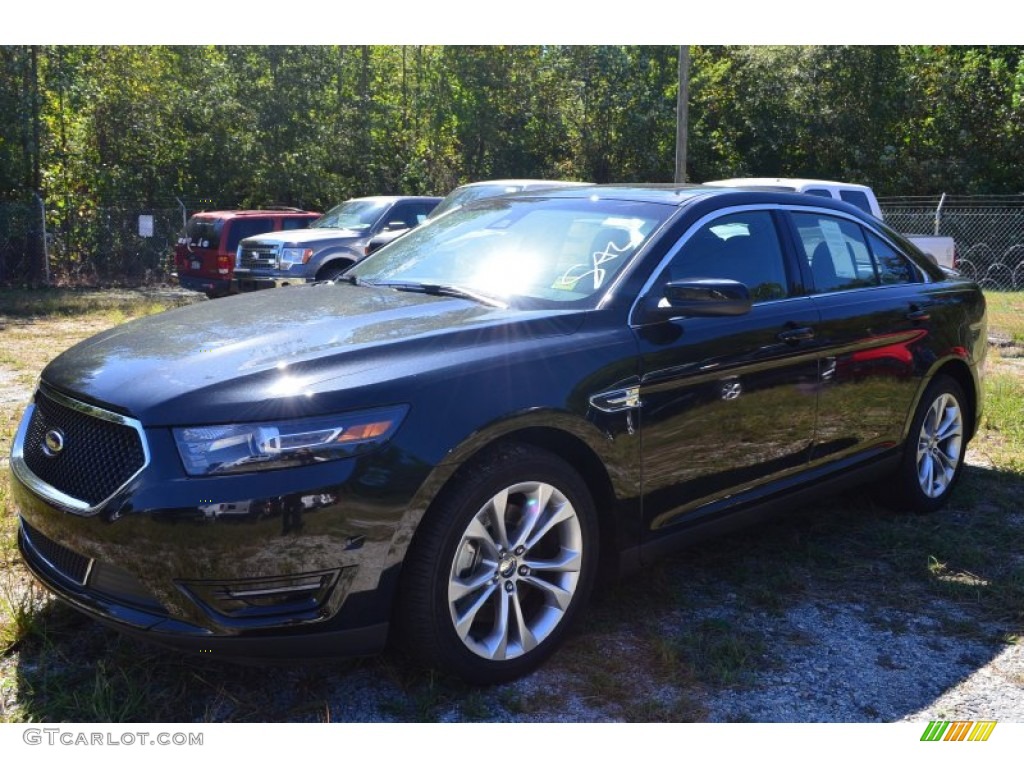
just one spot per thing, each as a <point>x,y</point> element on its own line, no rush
<point>357,215</point>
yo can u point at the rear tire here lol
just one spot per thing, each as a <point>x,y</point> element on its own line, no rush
<point>500,567</point>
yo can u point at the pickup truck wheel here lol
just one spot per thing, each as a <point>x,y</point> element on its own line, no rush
<point>934,453</point>
<point>332,271</point>
<point>500,567</point>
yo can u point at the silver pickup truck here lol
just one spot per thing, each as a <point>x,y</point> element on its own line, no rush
<point>941,249</point>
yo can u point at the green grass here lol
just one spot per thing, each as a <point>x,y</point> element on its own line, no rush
<point>1006,315</point>
<point>1004,419</point>
<point>117,305</point>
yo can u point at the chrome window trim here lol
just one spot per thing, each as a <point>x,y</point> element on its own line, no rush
<point>789,207</point>
<point>44,489</point>
<point>923,276</point>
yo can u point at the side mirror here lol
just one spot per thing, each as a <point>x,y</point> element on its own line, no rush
<point>701,297</point>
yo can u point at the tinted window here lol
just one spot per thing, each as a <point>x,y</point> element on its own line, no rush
<point>855,197</point>
<point>242,228</point>
<point>295,223</point>
<point>818,192</point>
<point>892,267</point>
<point>410,214</point>
<point>742,247</point>
<point>835,251</point>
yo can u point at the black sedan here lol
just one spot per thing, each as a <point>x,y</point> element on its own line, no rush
<point>449,445</point>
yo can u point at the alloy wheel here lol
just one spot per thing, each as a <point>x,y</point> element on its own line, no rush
<point>515,571</point>
<point>939,445</point>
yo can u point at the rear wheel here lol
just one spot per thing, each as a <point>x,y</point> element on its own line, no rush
<point>934,454</point>
<point>500,567</point>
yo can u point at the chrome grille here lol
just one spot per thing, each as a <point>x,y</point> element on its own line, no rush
<point>99,451</point>
<point>258,257</point>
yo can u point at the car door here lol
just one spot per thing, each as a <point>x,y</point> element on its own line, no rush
<point>872,334</point>
<point>727,404</point>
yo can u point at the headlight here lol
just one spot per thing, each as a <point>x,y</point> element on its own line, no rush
<point>291,256</point>
<point>229,448</point>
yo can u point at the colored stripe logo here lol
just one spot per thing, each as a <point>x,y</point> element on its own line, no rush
<point>959,730</point>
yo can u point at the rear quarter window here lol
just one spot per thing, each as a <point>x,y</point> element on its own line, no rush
<point>855,197</point>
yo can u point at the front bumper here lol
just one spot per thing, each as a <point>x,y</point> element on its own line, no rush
<point>290,563</point>
<point>153,624</point>
<point>248,282</point>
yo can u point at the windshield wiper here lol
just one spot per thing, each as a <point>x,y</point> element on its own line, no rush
<point>440,289</point>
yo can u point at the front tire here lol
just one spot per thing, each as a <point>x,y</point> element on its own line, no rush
<point>332,271</point>
<point>500,567</point>
<point>936,445</point>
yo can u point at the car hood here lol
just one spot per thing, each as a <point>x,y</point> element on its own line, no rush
<point>293,351</point>
<point>313,235</point>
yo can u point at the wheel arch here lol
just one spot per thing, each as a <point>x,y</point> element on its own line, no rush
<point>552,436</point>
<point>958,370</point>
<point>333,258</point>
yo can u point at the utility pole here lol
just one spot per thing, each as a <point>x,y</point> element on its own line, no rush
<point>682,112</point>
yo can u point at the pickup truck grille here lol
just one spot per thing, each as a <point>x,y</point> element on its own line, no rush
<point>258,257</point>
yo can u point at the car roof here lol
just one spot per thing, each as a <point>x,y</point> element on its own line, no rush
<point>684,194</point>
<point>797,184</point>
<point>255,212</point>
<point>393,198</point>
<point>523,183</point>
<point>670,194</point>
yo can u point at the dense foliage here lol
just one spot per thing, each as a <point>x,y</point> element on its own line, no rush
<point>312,125</point>
<point>95,126</point>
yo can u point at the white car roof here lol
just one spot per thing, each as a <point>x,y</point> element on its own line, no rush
<point>798,184</point>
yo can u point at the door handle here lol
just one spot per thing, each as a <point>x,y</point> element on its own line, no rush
<point>917,313</point>
<point>796,335</point>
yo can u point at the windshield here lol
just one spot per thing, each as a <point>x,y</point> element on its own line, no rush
<point>459,197</point>
<point>552,250</point>
<point>354,214</point>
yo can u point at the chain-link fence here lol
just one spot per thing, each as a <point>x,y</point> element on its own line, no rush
<point>19,240</point>
<point>988,231</point>
<point>133,243</point>
<point>126,243</point>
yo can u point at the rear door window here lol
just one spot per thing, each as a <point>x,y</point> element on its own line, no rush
<point>836,252</point>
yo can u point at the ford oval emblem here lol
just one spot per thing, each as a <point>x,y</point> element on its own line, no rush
<point>53,442</point>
